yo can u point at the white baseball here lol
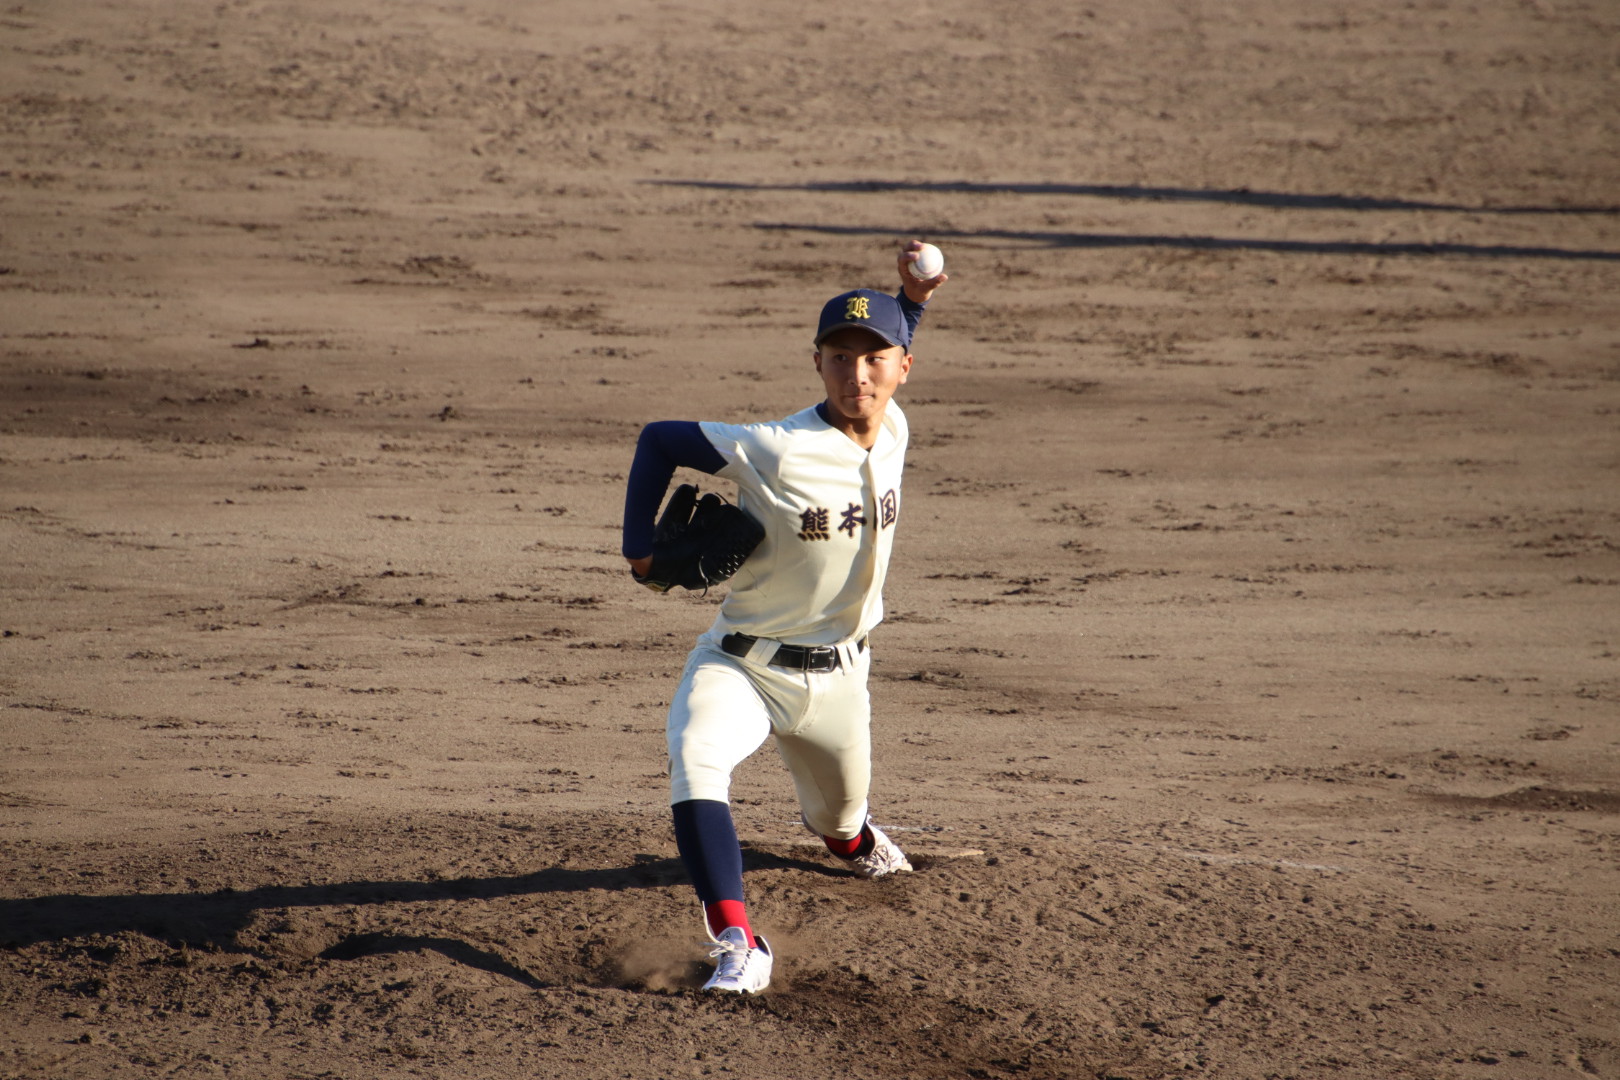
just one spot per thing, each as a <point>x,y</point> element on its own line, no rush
<point>930,262</point>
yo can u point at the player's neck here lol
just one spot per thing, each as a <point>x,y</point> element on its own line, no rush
<point>862,431</point>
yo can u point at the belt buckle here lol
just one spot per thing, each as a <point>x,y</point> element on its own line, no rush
<point>821,659</point>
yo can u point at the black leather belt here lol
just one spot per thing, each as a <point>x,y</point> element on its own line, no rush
<point>814,658</point>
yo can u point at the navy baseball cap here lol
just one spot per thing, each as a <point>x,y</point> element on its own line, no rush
<point>867,309</point>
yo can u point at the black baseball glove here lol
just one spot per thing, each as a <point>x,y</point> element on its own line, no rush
<point>699,542</point>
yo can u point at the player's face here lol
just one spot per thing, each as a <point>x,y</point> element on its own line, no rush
<point>861,372</point>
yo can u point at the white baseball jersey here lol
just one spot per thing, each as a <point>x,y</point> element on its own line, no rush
<point>829,509</point>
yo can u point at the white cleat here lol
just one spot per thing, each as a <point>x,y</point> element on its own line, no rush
<point>884,858</point>
<point>739,969</point>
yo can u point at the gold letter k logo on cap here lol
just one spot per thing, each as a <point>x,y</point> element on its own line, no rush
<point>859,307</point>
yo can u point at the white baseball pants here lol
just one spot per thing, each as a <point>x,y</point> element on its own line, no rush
<point>726,706</point>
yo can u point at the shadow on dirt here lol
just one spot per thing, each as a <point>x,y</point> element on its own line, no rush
<point>215,919</point>
<point>1277,200</point>
<point>357,946</point>
<point>1208,243</point>
<point>1537,798</point>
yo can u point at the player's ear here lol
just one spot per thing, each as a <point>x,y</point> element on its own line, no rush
<point>905,366</point>
<point>816,356</point>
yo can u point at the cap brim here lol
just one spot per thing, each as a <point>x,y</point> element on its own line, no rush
<point>874,331</point>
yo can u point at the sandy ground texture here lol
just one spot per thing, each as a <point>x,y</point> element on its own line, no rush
<point>1250,700</point>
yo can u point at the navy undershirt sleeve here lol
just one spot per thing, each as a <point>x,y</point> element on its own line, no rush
<point>664,446</point>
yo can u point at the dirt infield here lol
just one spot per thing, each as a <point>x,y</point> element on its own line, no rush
<point>1250,696</point>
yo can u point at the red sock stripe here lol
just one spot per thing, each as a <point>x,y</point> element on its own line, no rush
<point>845,849</point>
<point>726,913</point>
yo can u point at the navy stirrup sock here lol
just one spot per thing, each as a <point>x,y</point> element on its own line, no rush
<point>707,841</point>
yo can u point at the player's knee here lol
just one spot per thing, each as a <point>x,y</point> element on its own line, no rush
<point>698,782</point>
<point>840,823</point>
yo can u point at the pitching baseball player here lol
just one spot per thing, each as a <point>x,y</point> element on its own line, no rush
<point>788,654</point>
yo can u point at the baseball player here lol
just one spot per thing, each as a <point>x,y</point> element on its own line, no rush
<point>788,654</point>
